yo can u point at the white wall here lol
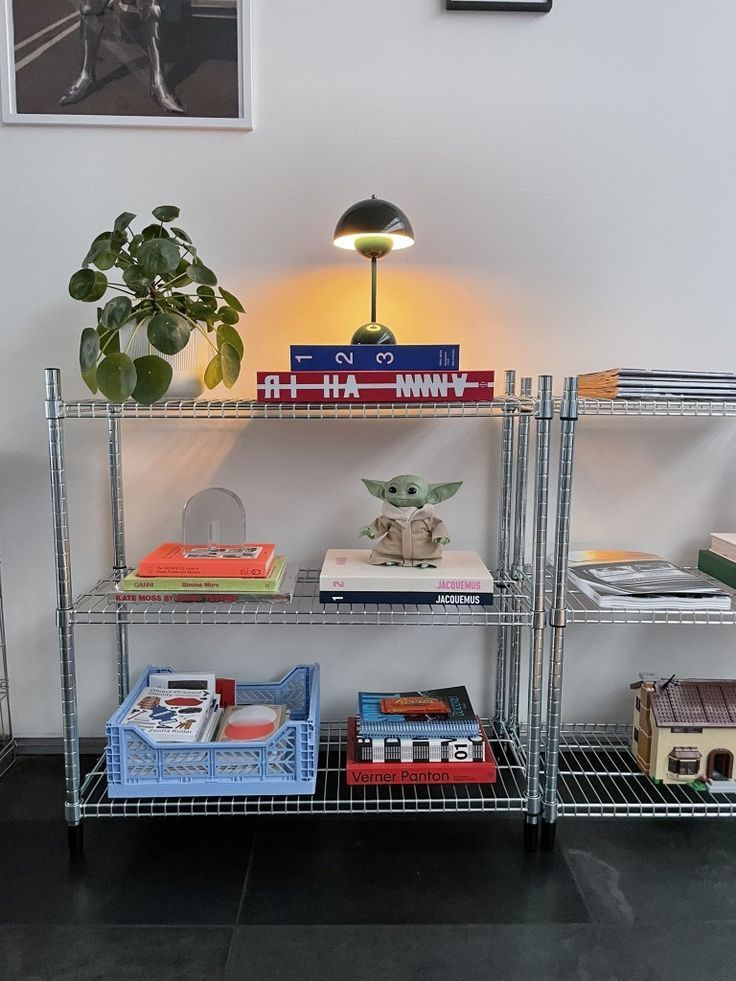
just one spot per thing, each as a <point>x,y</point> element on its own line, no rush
<point>570,181</point>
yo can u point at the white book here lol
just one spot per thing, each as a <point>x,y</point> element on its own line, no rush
<point>171,715</point>
<point>723,543</point>
<point>212,724</point>
<point>348,570</point>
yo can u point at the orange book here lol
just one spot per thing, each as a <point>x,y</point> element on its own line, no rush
<point>245,561</point>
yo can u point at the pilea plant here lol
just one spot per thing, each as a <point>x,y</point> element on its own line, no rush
<point>156,267</point>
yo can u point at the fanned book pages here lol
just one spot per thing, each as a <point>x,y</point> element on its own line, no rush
<point>638,580</point>
<point>641,383</point>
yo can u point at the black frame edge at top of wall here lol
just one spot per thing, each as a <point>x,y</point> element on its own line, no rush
<point>515,6</point>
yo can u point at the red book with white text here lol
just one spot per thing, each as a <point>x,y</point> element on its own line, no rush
<point>374,386</point>
<point>429,774</point>
<point>244,561</point>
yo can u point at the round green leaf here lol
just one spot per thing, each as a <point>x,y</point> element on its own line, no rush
<point>229,335</point>
<point>180,233</point>
<point>87,285</point>
<point>232,301</point>
<point>136,279</point>
<point>166,212</point>
<point>153,231</point>
<point>168,333</point>
<point>116,377</point>
<point>230,365</point>
<point>116,312</point>
<point>228,316</point>
<point>201,274</point>
<point>153,378</point>
<point>134,243</point>
<point>89,351</point>
<point>101,254</point>
<point>122,221</point>
<point>158,256</point>
<point>213,372</point>
<point>205,291</point>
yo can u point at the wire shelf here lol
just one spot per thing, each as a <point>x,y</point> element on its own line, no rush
<point>247,409</point>
<point>332,796</point>
<point>599,777</point>
<point>582,609</point>
<point>100,605</point>
<point>705,408</point>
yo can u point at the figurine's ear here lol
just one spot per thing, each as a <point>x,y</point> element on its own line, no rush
<point>440,492</point>
<point>376,487</point>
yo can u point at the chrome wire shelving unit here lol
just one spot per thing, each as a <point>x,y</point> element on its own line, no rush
<point>7,742</point>
<point>332,795</point>
<point>588,768</point>
<point>519,607</point>
<point>100,605</point>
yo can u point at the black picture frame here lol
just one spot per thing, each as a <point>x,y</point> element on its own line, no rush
<point>528,6</point>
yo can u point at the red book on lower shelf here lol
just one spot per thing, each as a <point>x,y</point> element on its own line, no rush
<point>430,774</point>
<point>374,386</point>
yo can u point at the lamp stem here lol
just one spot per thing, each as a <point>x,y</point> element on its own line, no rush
<point>374,278</point>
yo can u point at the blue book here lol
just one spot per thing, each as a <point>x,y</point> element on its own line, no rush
<point>375,357</point>
<point>457,720</point>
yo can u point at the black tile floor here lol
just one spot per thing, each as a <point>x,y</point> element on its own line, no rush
<point>421,898</point>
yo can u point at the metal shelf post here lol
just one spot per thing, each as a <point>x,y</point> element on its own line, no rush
<point>115,462</point>
<point>64,608</point>
<point>518,552</point>
<point>505,509</point>
<point>536,650</point>
<point>568,419</point>
<point>7,743</point>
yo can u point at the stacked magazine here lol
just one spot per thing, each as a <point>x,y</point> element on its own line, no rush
<point>641,383</point>
<point>638,580</point>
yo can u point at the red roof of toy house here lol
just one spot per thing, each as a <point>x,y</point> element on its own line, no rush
<point>695,703</point>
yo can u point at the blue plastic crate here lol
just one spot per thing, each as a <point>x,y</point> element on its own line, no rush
<point>283,765</point>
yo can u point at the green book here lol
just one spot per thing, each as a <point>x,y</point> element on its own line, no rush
<point>715,565</point>
<point>146,584</point>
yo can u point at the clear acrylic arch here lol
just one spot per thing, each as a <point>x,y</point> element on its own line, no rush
<point>215,516</point>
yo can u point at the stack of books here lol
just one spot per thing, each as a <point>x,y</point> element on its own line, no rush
<point>719,560</point>
<point>428,737</point>
<point>461,579</point>
<point>375,373</point>
<point>641,581</point>
<point>180,707</point>
<point>176,572</point>
<point>639,383</point>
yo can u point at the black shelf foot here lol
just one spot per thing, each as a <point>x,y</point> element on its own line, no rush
<point>531,835</point>
<point>548,835</point>
<point>75,834</point>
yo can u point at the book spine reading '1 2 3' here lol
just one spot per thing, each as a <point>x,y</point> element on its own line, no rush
<point>375,386</point>
<point>375,357</point>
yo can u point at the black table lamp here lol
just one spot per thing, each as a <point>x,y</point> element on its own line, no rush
<point>374,228</point>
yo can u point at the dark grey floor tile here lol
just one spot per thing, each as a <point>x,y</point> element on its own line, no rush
<point>502,952</point>
<point>633,871</point>
<point>33,788</point>
<point>399,871</point>
<point>111,953</point>
<point>144,871</point>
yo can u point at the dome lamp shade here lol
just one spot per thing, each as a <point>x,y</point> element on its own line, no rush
<point>373,228</point>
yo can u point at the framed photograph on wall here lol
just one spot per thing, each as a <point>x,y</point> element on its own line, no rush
<point>536,6</point>
<point>180,63</point>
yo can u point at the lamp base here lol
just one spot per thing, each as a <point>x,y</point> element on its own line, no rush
<point>373,334</point>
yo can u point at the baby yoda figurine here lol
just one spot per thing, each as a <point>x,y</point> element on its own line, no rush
<point>407,529</point>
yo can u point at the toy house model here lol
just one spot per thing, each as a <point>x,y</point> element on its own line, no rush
<point>685,730</point>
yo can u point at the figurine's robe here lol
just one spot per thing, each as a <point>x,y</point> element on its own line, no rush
<point>406,536</point>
